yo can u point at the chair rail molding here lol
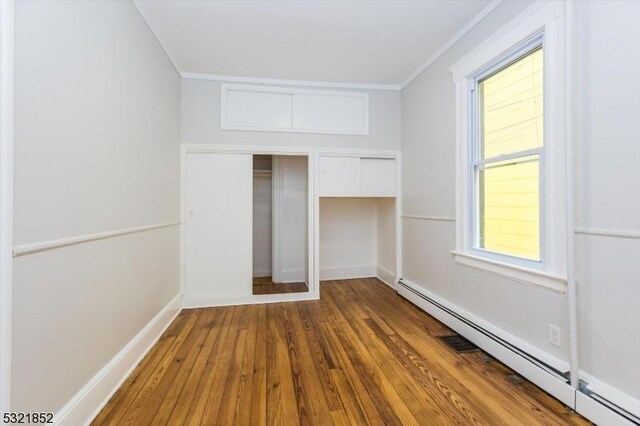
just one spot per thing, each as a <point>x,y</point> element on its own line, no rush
<point>30,248</point>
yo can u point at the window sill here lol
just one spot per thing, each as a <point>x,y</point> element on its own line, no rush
<point>516,273</point>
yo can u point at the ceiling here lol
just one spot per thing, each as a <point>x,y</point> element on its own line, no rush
<point>365,42</point>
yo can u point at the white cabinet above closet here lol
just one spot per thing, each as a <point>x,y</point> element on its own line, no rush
<point>357,175</point>
<point>288,109</point>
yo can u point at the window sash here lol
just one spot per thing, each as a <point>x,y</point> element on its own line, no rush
<point>477,163</point>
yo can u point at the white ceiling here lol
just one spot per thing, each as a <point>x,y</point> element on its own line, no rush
<point>366,42</point>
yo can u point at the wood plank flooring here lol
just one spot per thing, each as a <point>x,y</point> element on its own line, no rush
<point>360,355</point>
<point>264,285</point>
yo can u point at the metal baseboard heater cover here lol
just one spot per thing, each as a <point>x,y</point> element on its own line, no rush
<point>564,375</point>
<point>583,387</point>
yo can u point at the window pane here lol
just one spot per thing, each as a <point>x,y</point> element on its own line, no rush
<point>511,108</point>
<point>509,207</point>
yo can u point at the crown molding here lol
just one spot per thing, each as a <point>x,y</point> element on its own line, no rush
<point>457,36</point>
<point>286,82</point>
<point>315,83</point>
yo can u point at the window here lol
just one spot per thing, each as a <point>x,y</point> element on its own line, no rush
<point>508,148</point>
<point>511,147</point>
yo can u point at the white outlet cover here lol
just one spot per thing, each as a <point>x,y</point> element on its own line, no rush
<point>555,335</point>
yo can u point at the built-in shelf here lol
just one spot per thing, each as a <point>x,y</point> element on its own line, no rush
<point>262,172</point>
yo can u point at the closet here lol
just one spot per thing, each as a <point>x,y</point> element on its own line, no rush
<point>267,224</point>
<point>246,225</point>
<point>280,220</point>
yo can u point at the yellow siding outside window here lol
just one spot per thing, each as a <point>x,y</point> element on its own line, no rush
<point>511,119</point>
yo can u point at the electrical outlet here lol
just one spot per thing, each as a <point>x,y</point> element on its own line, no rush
<point>555,336</point>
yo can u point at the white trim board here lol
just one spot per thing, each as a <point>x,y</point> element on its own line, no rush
<point>515,273</point>
<point>612,394</point>
<point>255,299</point>
<point>361,153</point>
<point>431,218</point>
<point>550,360</point>
<point>555,385</point>
<point>347,273</point>
<point>6,197</point>
<point>87,403</point>
<point>203,148</point>
<point>328,84</point>
<point>31,248</point>
<point>453,40</point>
<point>599,413</point>
<point>386,276</point>
<point>287,82</point>
<point>292,276</point>
<point>612,233</point>
<point>261,273</point>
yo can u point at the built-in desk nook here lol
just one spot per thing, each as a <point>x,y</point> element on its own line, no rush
<point>357,214</point>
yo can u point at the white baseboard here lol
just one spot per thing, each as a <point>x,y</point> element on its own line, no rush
<point>387,276</point>
<point>599,413</point>
<point>557,363</point>
<point>347,273</point>
<point>87,403</point>
<point>210,302</point>
<point>551,383</point>
<point>612,394</point>
<point>292,276</point>
<point>260,273</point>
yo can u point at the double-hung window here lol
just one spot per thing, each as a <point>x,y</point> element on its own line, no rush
<point>507,154</point>
<point>511,150</point>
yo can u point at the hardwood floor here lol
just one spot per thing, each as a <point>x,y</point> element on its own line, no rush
<point>360,355</point>
<point>264,285</point>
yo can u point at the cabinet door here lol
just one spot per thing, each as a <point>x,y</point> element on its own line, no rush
<point>378,177</point>
<point>339,176</point>
<point>218,255</point>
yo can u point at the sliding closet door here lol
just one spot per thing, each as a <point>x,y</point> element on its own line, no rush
<point>218,255</point>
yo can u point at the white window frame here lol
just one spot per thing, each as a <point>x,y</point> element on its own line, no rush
<point>543,23</point>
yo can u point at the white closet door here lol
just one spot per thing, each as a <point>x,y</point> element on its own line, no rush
<point>219,204</point>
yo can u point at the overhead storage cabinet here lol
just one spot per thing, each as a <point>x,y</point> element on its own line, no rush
<point>357,176</point>
<point>288,109</point>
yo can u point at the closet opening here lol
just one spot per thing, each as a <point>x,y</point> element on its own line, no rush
<point>280,224</point>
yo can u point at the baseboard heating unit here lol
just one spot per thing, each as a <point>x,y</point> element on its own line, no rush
<point>600,410</point>
<point>550,378</point>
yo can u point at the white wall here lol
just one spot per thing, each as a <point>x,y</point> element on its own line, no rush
<point>608,194</point>
<point>200,111</point>
<point>386,238</point>
<point>608,191</point>
<point>428,182</point>
<point>291,209</point>
<point>262,201</point>
<point>201,122</point>
<point>96,150</point>
<point>348,237</point>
